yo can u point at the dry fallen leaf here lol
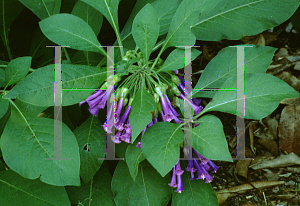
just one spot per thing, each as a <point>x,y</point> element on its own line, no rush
<point>270,145</point>
<point>233,191</point>
<point>290,79</point>
<point>289,129</point>
<point>281,161</point>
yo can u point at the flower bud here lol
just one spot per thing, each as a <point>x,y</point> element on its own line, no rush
<point>156,97</point>
<point>130,101</point>
<point>124,92</point>
<point>176,90</point>
<point>160,62</point>
<point>125,102</point>
<point>175,79</point>
<point>159,90</point>
<point>118,94</point>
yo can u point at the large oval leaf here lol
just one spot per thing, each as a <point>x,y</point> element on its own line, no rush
<point>109,8</point>
<point>224,19</point>
<point>43,8</point>
<point>97,192</point>
<point>148,189</point>
<point>209,139</point>
<point>145,30</point>
<point>38,88</point>
<point>27,142</point>
<point>223,66</point>
<point>133,157</point>
<point>34,192</point>
<point>89,14</point>
<point>176,59</point>
<point>70,30</point>
<point>160,144</point>
<point>17,70</point>
<point>140,115</point>
<point>263,93</point>
<point>92,145</point>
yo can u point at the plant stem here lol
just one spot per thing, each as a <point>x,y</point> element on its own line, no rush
<point>67,55</point>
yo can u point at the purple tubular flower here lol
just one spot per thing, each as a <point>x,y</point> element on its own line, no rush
<point>119,125</point>
<point>116,139</point>
<point>163,116</point>
<point>98,100</point>
<point>155,120</point>
<point>150,123</point>
<point>170,106</point>
<point>213,166</point>
<point>176,71</point>
<point>199,170</point>
<point>127,127</point>
<point>168,114</point>
<point>92,96</point>
<point>180,185</point>
<point>181,87</point>
<point>108,125</point>
<point>190,166</point>
<point>138,145</point>
<point>179,173</point>
<point>173,181</point>
<point>126,137</point>
<point>196,108</point>
<point>196,101</point>
<point>144,131</point>
<point>119,109</point>
<point>181,79</point>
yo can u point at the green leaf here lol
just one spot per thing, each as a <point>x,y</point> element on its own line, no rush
<point>4,104</point>
<point>2,78</point>
<point>89,14</point>
<point>121,184</point>
<point>133,157</point>
<point>176,59</point>
<point>145,30</point>
<point>70,30</point>
<point>43,8</point>
<point>91,140</point>
<point>179,33</point>
<point>223,66</point>
<point>196,192</point>
<point>27,141</point>
<point>226,20</point>
<point>37,88</point>
<point>4,119</point>
<point>109,8</point>
<point>263,93</point>
<point>160,145</point>
<point>148,189</point>
<point>165,12</point>
<point>126,32</point>
<point>29,109</point>
<point>140,114</point>
<point>17,70</point>
<point>33,192</point>
<point>209,139</point>
<point>97,192</point>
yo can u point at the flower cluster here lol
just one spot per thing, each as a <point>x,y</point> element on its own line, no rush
<point>118,120</point>
<point>196,163</point>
